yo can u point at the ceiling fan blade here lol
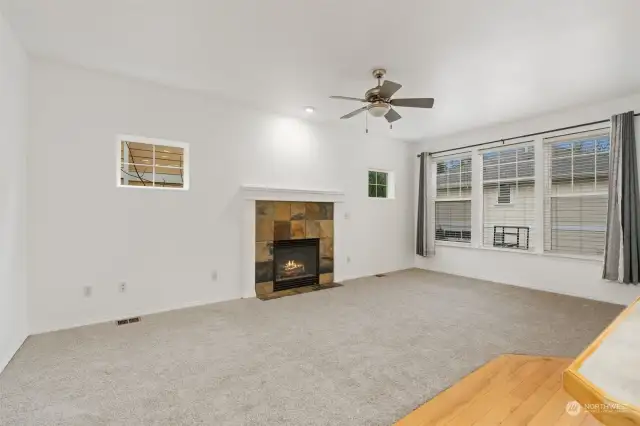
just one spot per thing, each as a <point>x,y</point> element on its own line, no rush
<point>356,112</point>
<point>347,98</point>
<point>392,116</point>
<point>388,88</point>
<point>413,102</point>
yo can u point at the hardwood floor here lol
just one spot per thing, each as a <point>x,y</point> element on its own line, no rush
<point>511,390</point>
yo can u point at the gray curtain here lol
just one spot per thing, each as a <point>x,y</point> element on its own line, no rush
<point>622,244</point>
<point>424,237</point>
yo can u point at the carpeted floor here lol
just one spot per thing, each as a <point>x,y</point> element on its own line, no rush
<point>364,354</point>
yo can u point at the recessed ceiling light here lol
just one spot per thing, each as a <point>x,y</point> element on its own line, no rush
<point>309,109</point>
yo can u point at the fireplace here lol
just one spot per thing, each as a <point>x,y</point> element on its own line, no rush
<point>294,247</point>
<point>296,263</point>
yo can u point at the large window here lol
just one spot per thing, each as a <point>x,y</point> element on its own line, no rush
<point>151,163</point>
<point>508,186</point>
<point>453,199</point>
<point>543,195</point>
<point>576,193</point>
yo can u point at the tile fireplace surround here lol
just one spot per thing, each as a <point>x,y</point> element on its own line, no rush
<point>291,220</point>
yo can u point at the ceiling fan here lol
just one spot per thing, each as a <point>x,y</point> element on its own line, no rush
<point>379,102</point>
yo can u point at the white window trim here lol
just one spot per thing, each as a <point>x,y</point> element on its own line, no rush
<point>391,184</point>
<point>586,258</point>
<point>153,141</point>
<point>453,243</point>
<point>477,225</point>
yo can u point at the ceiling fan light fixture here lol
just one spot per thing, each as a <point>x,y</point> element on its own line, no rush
<point>378,109</point>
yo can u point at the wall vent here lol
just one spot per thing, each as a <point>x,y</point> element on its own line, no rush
<point>128,321</point>
<point>381,275</point>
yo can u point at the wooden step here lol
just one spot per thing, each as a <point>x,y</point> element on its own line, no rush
<point>509,390</point>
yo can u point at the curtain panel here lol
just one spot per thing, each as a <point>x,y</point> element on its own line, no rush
<point>622,243</point>
<point>425,239</point>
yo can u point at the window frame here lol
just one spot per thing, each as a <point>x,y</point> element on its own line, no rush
<point>153,142</point>
<point>514,183</point>
<point>465,155</point>
<point>390,185</point>
<point>477,220</point>
<point>547,178</point>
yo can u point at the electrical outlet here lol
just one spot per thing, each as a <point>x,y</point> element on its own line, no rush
<point>347,215</point>
<point>214,275</point>
<point>88,290</point>
<point>123,287</point>
<point>348,259</point>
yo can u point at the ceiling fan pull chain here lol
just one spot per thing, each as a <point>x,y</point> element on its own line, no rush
<point>366,123</point>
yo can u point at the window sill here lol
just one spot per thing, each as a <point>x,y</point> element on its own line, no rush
<point>160,188</point>
<point>583,258</point>
<point>599,259</point>
<point>453,243</point>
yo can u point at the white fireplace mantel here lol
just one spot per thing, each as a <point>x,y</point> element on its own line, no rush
<point>271,193</point>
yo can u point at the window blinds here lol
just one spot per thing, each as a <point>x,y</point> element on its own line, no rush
<point>508,177</point>
<point>452,218</point>
<point>576,193</point>
<point>453,221</point>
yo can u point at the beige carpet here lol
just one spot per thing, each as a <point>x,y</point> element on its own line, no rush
<point>364,354</point>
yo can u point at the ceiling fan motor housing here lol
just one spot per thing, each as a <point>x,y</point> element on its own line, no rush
<point>372,94</point>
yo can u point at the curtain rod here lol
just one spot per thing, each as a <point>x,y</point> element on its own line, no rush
<point>524,136</point>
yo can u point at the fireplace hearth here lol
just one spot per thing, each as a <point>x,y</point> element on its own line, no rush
<point>296,263</point>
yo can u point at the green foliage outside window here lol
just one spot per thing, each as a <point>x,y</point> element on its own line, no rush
<point>378,184</point>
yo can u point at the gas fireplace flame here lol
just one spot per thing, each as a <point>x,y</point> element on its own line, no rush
<point>292,265</point>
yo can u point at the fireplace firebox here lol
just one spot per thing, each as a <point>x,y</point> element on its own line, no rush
<point>296,263</point>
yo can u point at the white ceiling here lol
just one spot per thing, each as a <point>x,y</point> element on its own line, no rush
<point>484,61</point>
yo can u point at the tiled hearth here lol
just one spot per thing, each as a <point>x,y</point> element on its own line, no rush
<point>282,221</point>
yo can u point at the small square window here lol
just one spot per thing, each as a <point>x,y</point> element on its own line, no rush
<point>152,163</point>
<point>379,184</point>
<point>504,193</point>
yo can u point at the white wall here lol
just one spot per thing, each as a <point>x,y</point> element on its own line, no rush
<point>13,145</point>
<point>534,270</point>
<point>165,244</point>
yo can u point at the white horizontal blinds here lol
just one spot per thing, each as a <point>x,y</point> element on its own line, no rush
<point>452,218</point>
<point>145,164</point>
<point>508,187</point>
<point>576,193</point>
